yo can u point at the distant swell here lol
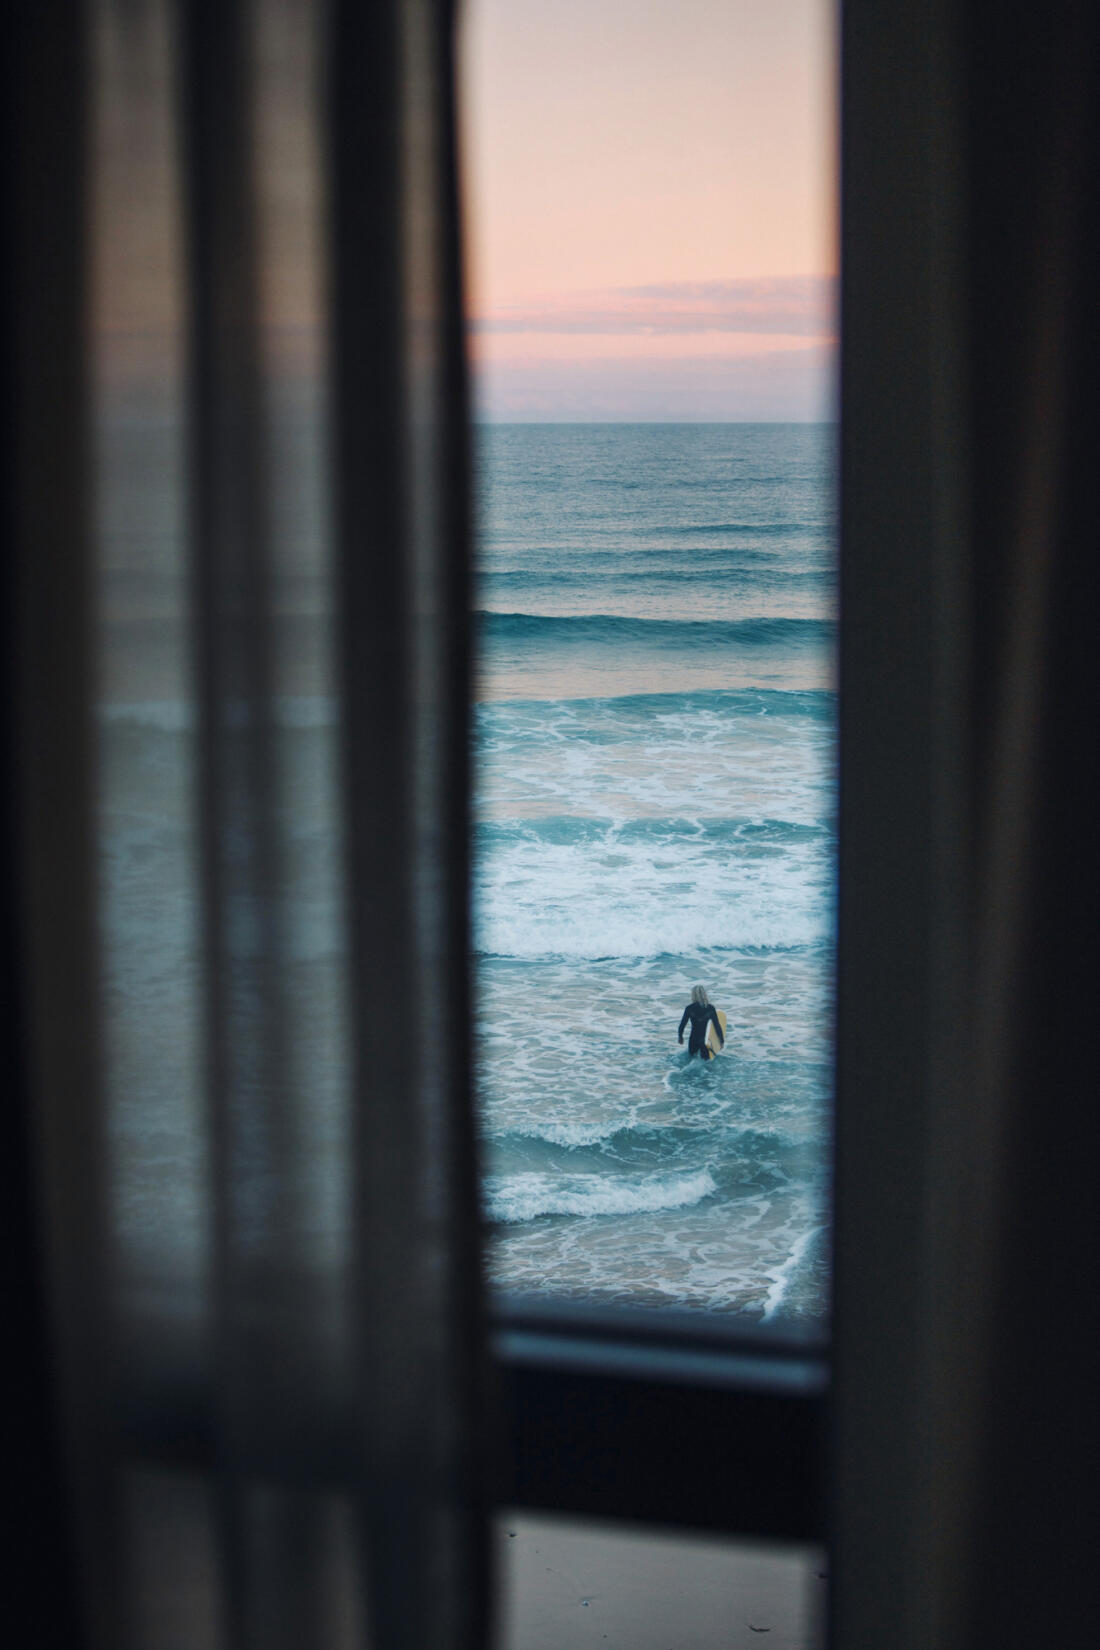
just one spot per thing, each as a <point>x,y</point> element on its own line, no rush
<point>529,715</point>
<point>594,629</point>
<point>520,1197</point>
<point>594,935</point>
<point>646,835</point>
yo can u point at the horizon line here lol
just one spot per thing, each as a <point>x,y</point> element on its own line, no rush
<point>478,420</point>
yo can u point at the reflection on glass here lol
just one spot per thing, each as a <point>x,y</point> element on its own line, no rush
<point>656,714</point>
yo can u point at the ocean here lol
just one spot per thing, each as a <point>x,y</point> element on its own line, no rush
<point>655,730</point>
<point>655,809</point>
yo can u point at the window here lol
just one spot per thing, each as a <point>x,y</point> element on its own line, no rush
<point>933,1506</point>
<point>655,716</point>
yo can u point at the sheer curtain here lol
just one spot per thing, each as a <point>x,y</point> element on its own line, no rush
<point>240,552</point>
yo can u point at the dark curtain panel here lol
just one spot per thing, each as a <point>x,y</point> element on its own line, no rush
<point>966,1489</point>
<point>235,885</point>
<point>1033,221</point>
<point>53,1227</point>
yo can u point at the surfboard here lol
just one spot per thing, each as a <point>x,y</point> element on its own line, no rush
<point>713,1045</point>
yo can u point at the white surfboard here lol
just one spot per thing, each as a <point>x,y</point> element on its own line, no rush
<point>713,1045</point>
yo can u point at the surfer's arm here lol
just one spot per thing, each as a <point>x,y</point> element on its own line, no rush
<point>683,1022</point>
<point>713,1015</point>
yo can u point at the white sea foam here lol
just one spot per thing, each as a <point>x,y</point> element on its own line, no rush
<point>783,1274</point>
<point>721,1254</point>
<point>570,1132</point>
<point>592,935</point>
<point>610,898</point>
<point>523,1197</point>
<point>633,831</point>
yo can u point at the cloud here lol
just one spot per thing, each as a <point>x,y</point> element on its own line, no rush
<point>792,385</point>
<point>799,305</point>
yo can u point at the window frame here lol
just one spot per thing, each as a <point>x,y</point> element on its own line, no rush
<point>678,1423</point>
<point>845,1429</point>
<point>666,1419</point>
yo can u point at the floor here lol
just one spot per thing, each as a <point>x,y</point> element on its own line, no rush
<point>570,1586</point>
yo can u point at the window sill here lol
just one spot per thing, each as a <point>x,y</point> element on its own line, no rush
<point>677,1420</point>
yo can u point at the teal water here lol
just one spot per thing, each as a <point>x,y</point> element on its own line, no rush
<point>654,810</point>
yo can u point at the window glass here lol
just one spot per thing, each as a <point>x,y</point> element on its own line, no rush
<point>650,191</point>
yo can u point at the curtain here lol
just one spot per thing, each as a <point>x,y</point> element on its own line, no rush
<point>1033,141</point>
<point>965,1499</point>
<point>236,880</point>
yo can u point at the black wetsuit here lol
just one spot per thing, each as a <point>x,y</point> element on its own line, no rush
<point>700,1018</point>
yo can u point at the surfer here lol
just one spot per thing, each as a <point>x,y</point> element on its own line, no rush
<point>700,1012</point>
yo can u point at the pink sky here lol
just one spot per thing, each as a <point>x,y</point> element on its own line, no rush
<point>650,197</point>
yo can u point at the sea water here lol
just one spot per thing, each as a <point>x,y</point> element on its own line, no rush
<point>654,744</point>
<point>655,800</point>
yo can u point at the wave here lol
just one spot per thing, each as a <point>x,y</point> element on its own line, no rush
<point>580,928</point>
<point>641,567</point>
<point>577,1134</point>
<point>512,1199</point>
<point>633,945</point>
<point>561,830</point>
<point>530,715</point>
<point>772,528</point>
<point>611,628</point>
<point>598,910</point>
<point>781,1277</point>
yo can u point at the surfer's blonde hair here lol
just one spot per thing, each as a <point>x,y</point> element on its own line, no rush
<point>698,995</point>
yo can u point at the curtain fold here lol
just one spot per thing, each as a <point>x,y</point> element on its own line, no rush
<point>399,395</point>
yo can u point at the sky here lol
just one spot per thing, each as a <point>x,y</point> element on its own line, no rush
<point>650,199</point>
